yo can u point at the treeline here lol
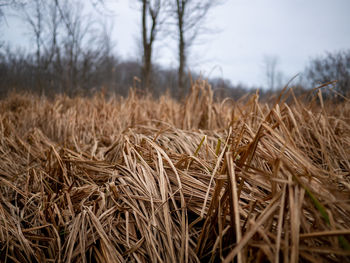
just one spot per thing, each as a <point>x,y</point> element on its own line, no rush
<point>19,71</point>
<point>73,53</point>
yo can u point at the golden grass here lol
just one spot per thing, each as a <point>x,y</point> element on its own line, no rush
<point>144,180</point>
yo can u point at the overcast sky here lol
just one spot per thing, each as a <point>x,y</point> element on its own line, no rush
<point>247,30</point>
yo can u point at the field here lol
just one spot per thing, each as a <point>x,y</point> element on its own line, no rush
<point>136,179</point>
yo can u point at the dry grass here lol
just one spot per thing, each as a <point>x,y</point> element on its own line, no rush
<point>135,179</point>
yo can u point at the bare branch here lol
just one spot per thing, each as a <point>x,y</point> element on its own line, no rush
<point>188,16</point>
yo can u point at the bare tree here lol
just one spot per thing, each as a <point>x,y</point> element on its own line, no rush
<point>84,45</point>
<point>70,45</point>
<point>189,16</point>
<point>151,24</point>
<point>33,14</point>
<point>272,76</point>
<point>53,22</point>
<point>333,66</point>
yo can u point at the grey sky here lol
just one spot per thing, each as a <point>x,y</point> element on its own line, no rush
<point>248,30</point>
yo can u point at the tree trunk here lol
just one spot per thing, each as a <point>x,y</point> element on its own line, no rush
<point>181,72</point>
<point>147,50</point>
<point>182,55</point>
<point>147,68</point>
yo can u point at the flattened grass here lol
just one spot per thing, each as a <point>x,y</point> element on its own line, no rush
<point>144,180</point>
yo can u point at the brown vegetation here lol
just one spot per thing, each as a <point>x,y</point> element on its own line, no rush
<point>144,180</point>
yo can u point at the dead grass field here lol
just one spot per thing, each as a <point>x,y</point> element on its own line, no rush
<point>144,180</point>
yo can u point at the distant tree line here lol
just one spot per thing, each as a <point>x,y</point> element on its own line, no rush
<point>73,53</point>
<point>331,67</point>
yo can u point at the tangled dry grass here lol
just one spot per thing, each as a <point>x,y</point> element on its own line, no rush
<point>144,180</point>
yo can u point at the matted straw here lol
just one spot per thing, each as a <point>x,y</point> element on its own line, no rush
<point>144,180</point>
